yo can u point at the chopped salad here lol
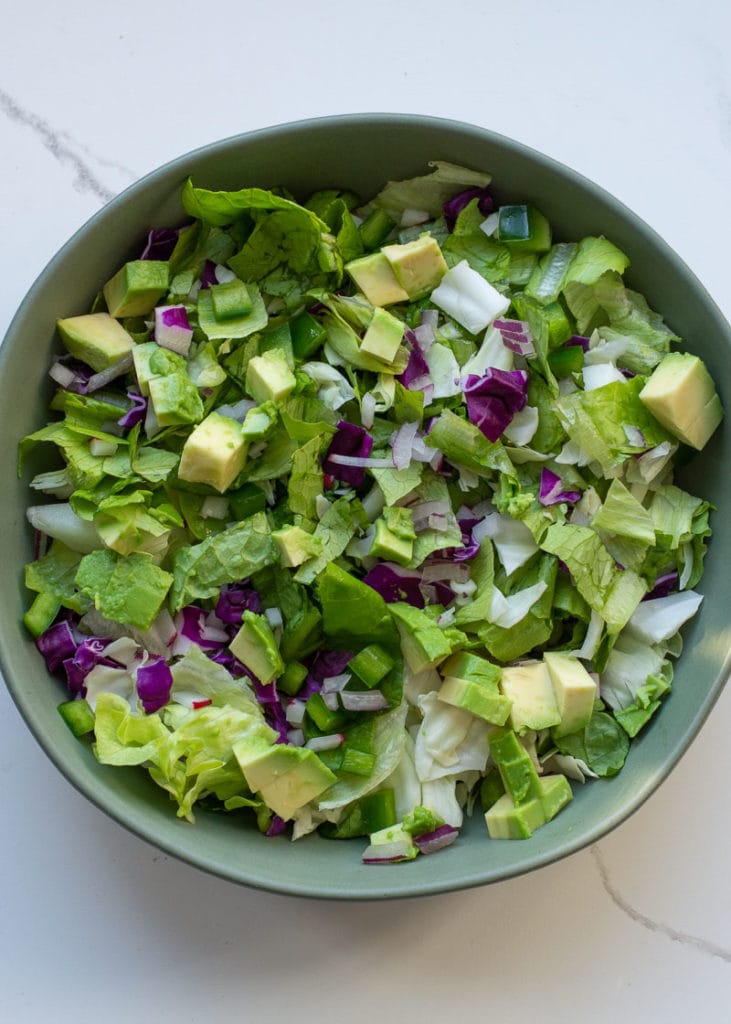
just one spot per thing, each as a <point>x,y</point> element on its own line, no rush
<point>362,515</point>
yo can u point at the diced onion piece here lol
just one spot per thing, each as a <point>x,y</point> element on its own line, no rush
<point>330,742</point>
<point>440,838</point>
<point>214,507</point>
<point>295,711</point>
<point>363,700</point>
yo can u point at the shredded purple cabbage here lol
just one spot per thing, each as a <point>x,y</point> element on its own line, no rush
<point>577,339</point>
<point>276,826</point>
<point>551,491</point>
<point>208,275</point>
<point>417,367</point>
<point>394,583</point>
<point>454,206</point>
<point>160,244</point>
<point>137,411</point>
<point>57,644</point>
<point>664,586</point>
<point>154,682</point>
<point>89,653</point>
<point>234,600</point>
<point>493,399</point>
<point>274,713</point>
<point>348,440</point>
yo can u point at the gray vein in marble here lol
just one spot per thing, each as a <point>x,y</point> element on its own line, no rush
<point>63,151</point>
<point>657,927</point>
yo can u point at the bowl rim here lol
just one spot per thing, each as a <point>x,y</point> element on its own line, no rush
<point>117,808</point>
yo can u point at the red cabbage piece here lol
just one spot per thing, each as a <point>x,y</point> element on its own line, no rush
<point>160,244</point>
<point>348,440</point>
<point>276,826</point>
<point>577,339</point>
<point>222,656</point>
<point>417,368</point>
<point>234,600</point>
<point>493,399</point>
<point>440,838</point>
<point>551,490</point>
<point>516,336</point>
<point>154,681</point>
<point>664,586</point>
<point>454,206</point>
<point>274,712</point>
<point>192,623</point>
<point>57,644</point>
<point>208,275</point>
<point>89,653</point>
<point>136,412</point>
<point>395,583</point>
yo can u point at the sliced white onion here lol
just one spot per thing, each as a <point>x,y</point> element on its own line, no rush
<point>214,507</point>
<point>363,700</point>
<point>334,684</point>
<point>295,711</point>
<point>402,442</point>
<point>62,374</point>
<point>237,411</point>
<point>101,379</point>
<point>361,462</point>
<point>329,742</point>
<point>61,522</point>
<point>368,409</point>
<point>102,449</point>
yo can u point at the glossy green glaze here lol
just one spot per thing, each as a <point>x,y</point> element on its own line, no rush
<point>358,152</point>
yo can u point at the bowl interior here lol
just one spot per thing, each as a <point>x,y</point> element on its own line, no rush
<point>358,152</point>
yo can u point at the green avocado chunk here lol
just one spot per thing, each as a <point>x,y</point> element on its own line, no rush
<point>255,647</point>
<point>285,777</point>
<point>96,339</point>
<point>681,395</point>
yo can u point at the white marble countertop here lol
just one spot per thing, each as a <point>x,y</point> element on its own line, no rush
<point>94,923</point>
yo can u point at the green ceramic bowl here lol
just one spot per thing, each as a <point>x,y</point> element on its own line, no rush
<point>360,152</point>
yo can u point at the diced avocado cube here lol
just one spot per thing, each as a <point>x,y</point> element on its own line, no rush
<point>230,299</point>
<point>523,227</point>
<point>681,396</point>
<point>574,689</point>
<point>479,699</point>
<point>136,287</point>
<point>418,265</point>
<point>393,841</point>
<point>375,277</point>
<point>371,665</point>
<point>142,355</point>
<point>286,777</point>
<point>260,421</point>
<point>175,400</point>
<point>295,545</point>
<point>96,339</point>
<point>308,335</point>
<point>269,378</point>
<point>214,453</point>
<point>256,648</point>
<point>529,688</point>
<point>506,821</point>
<point>423,643</point>
<point>555,794</point>
<point>383,336</point>
<point>389,547</point>
<point>292,679</point>
<point>517,771</point>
